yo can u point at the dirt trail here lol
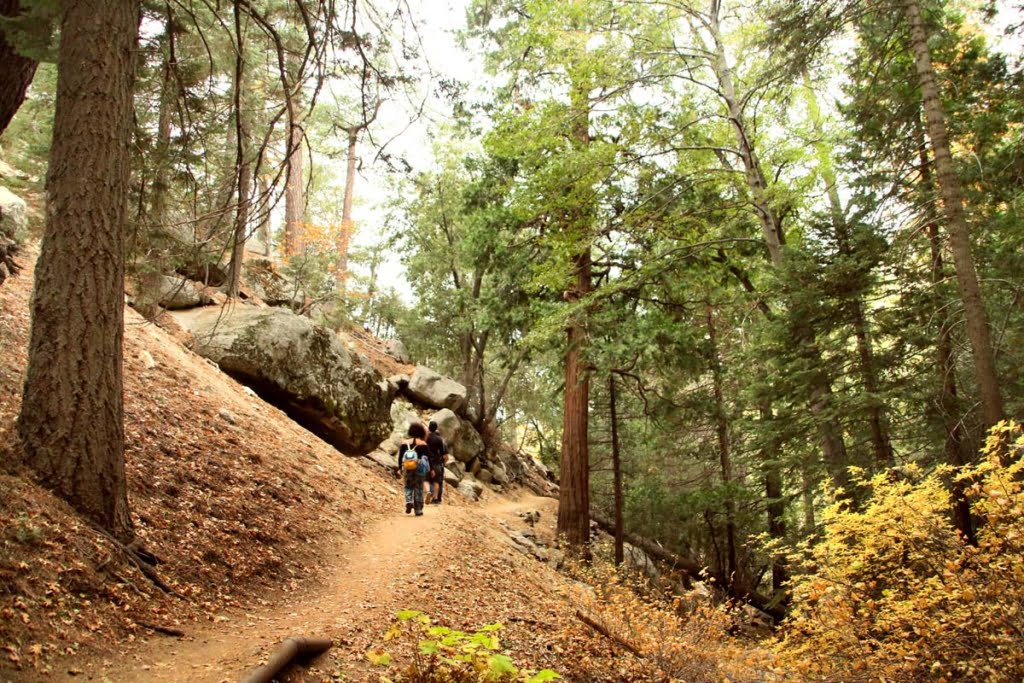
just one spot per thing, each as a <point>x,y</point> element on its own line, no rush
<point>357,594</point>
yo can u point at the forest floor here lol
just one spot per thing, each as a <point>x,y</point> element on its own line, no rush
<point>451,564</point>
<point>263,532</point>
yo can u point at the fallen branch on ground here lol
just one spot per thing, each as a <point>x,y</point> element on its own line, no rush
<point>608,634</point>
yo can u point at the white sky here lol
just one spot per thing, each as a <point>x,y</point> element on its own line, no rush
<point>437,21</point>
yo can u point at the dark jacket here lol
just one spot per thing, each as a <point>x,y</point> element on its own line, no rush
<point>437,449</point>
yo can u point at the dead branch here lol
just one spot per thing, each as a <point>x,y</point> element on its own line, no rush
<point>608,634</point>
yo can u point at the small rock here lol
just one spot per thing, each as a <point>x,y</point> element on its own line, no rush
<point>228,416</point>
<point>147,359</point>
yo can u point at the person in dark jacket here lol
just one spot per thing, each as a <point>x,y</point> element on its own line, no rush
<point>437,451</point>
<point>413,481</point>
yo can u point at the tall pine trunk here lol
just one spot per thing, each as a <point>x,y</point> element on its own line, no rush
<point>574,492</point>
<point>724,445</point>
<point>72,417</point>
<point>878,419</point>
<point>956,222</point>
<point>345,233</point>
<point>242,167</point>
<point>616,471</point>
<point>947,402</point>
<point>830,431</point>
<point>294,195</point>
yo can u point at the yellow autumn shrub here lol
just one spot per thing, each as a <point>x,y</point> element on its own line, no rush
<point>892,592</point>
<point>626,631</point>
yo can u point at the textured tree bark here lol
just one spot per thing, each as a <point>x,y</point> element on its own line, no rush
<point>16,73</point>
<point>956,222</point>
<point>616,471</point>
<point>724,445</point>
<point>71,422</point>
<point>341,271</point>
<point>775,507</point>
<point>168,97</point>
<point>294,195</point>
<point>574,492</point>
<point>947,402</point>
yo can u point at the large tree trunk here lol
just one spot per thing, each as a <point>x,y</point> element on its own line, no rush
<point>616,471</point>
<point>724,445</point>
<point>775,504</point>
<point>16,73</point>
<point>574,492</point>
<point>71,422</point>
<point>956,222</point>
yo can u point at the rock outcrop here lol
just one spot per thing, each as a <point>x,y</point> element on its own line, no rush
<point>433,390</point>
<point>396,349</point>
<point>464,442</point>
<point>13,222</point>
<point>176,293</point>
<point>300,367</point>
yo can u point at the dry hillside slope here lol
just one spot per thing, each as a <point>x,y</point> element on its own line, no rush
<point>252,518</point>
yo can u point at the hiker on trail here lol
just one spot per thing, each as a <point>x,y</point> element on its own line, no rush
<point>414,465</point>
<point>437,450</point>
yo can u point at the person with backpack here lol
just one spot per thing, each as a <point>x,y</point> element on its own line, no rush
<point>414,466</point>
<point>437,451</point>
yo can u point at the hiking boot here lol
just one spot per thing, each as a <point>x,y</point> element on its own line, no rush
<point>408,508</point>
<point>419,513</point>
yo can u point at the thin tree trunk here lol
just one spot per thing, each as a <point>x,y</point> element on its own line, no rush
<point>263,228</point>
<point>878,420</point>
<point>72,417</point>
<point>830,431</point>
<point>810,525</point>
<point>956,222</point>
<point>17,71</point>
<point>341,272</point>
<point>168,97</point>
<point>775,505</point>
<point>947,401</point>
<point>294,195</point>
<point>724,445</point>
<point>616,472</point>
<point>242,167</point>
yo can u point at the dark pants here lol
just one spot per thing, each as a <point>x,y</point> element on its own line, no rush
<point>414,491</point>
<point>437,483</point>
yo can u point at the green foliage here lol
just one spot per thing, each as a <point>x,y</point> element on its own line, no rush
<point>439,654</point>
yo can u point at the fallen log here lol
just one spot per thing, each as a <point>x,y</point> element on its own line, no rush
<point>283,656</point>
<point>608,634</point>
<point>166,630</point>
<point>693,570</point>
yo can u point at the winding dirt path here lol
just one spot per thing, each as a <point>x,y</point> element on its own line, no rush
<point>353,602</point>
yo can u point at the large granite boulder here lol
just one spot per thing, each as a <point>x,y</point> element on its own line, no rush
<point>176,293</point>
<point>13,214</point>
<point>396,349</point>
<point>464,442</point>
<point>436,391</point>
<point>302,368</point>
<point>402,415</point>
